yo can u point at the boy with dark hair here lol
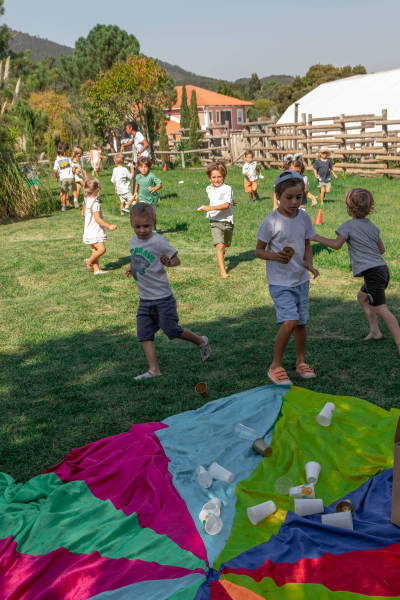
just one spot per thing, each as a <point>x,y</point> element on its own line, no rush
<point>147,183</point>
<point>64,171</point>
<point>150,254</point>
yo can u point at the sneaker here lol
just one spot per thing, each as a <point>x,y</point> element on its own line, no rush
<point>205,349</point>
<point>63,208</point>
<point>256,196</point>
<point>76,203</point>
<point>100,272</point>
<point>148,375</point>
<point>126,209</point>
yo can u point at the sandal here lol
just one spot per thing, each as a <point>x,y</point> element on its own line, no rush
<point>279,376</point>
<point>304,371</point>
<point>88,264</point>
<point>100,272</point>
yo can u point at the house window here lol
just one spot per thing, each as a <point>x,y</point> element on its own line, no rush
<point>217,116</point>
<point>239,114</point>
<point>210,116</point>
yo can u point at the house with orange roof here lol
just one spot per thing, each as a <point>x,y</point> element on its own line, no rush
<point>214,109</point>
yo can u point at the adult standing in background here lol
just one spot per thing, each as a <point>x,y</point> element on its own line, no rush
<point>139,142</point>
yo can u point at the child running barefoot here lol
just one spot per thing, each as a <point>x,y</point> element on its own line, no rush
<point>287,232</point>
<point>366,249</point>
<point>150,254</point>
<point>95,160</point>
<point>220,211</point>
<point>323,171</point>
<point>121,179</point>
<point>250,175</point>
<point>94,233</point>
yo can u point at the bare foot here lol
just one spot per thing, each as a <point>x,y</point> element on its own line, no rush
<point>373,336</point>
<point>224,275</point>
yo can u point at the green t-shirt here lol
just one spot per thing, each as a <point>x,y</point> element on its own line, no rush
<point>150,180</point>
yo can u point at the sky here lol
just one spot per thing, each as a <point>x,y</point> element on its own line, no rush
<point>230,39</point>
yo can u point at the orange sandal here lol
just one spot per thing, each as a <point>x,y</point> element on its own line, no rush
<point>304,371</point>
<point>279,376</point>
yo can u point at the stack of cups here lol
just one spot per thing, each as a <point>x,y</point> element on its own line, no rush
<point>261,511</point>
<point>218,472</point>
<point>210,518</point>
<point>213,506</point>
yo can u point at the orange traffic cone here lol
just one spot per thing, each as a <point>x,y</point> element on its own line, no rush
<point>165,167</point>
<point>318,220</point>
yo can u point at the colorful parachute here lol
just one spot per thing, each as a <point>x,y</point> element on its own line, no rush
<point>118,518</point>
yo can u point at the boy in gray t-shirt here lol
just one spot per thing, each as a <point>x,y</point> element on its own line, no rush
<point>150,254</point>
<point>366,249</point>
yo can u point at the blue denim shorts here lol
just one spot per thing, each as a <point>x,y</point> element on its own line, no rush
<point>291,303</point>
<point>153,315</point>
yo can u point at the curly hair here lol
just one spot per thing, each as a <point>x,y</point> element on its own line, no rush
<point>216,166</point>
<point>92,187</point>
<point>360,203</point>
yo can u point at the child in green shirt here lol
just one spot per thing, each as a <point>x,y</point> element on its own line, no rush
<point>147,183</point>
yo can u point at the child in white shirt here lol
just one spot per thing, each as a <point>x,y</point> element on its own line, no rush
<point>250,175</point>
<point>121,179</point>
<point>64,171</point>
<point>219,212</point>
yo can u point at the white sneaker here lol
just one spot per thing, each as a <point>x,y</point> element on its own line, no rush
<point>126,209</point>
<point>63,208</point>
<point>148,375</point>
<point>205,349</point>
<point>76,203</point>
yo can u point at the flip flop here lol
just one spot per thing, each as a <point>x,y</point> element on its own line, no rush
<point>304,371</point>
<point>279,376</point>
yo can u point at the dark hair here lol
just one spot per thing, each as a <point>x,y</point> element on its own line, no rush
<point>62,147</point>
<point>142,209</point>
<point>249,152</point>
<point>134,125</point>
<point>144,160</point>
<point>360,202</point>
<point>288,183</point>
<point>294,163</point>
<point>92,187</point>
<point>216,166</point>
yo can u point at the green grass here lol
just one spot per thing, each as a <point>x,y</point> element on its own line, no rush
<point>70,353</point>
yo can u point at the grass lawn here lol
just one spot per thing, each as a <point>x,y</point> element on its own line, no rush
<point>69,348</point>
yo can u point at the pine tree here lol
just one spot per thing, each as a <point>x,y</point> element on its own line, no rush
<point>194,135</point>
<point>185,111</point>
<point>254,85</point>
<point>163,140</point>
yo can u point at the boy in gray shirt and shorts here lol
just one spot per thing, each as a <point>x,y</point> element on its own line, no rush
<point>366,249</point>
<point>150,254</point>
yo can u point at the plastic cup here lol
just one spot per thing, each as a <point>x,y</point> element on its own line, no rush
<point>213,506</point>
<point>245,432</point>
<point>344,520</point>
<point>303,508</point>
<point>261,511</point>
<point>262,447</point>
<point>303,491</point>
<point>283,485</point>
<point>344,506</point>
<point>313,469</point>
<point>212,523</point>
<point>325,416</point>
<point>200,209</point>
<point>288,251</point>
<point>203,477</point>
<point>218,472</point>
<point>202,389</point>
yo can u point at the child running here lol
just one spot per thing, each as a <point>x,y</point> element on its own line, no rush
<point>323,171</point>
<point>147,183</point>
<point>294,162</point>
<point>76,157</point>
<point>287,232</point>
<point>95,160</point>
<point>121,179</point>
<point>219,212</point>
<point>150,254</point>
<point>64,171</point>
<point>250,175</point>
<point>94,233</point>
<point>365,249</point>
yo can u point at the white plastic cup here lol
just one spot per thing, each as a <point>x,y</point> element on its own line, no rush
<point>261,511</point>
<point>325,416</point>
<point>245,432</point>
<point>306,492</point>
<point>313,469</point>
<point>340,519</point>
<point>303,508</point>
<point>213,506</point>
<point>218,472</point>
<point>200,209</point>
<point>203,477</point>
<point>283,485</point>
<point>212,524</point>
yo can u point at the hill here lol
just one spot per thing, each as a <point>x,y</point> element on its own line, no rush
<point>41,47</point>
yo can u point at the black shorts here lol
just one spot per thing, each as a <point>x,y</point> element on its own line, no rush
<point>153,315</point>
<point>376,281</point>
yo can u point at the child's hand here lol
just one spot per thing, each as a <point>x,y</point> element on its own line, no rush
<point>281,257</point>
<point>112,227</point>
<point>165,260</point>
<point>151,189</point>
<point>204,208</point>
<point>335,176</point>
<point>310,268</point>
<point>128,272</point>
<point>234,203</point>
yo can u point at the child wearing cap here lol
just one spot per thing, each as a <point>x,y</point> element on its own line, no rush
<point>284,243</point>
<point>366,248</point>
<point>323,171</point>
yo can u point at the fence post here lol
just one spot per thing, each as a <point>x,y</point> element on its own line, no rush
<point>343,140</point>
<point>183,160</point>
<point>296,119</point>
<point>385,135</point>
<point>274,143</point>
<point>228,141</point>
<point>310,147</point>
<point>304,134</point>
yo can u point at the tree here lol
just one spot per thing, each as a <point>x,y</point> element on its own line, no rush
<point>54,105</point>
<point>163,140</point>
<point>184,110</point>
<point>104,46</point>
<point>194,134</point>
<point>254,85</point>
<point>127,91</point>
<point>5,33</point>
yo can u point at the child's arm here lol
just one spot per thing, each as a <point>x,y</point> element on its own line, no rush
<point>334,244</point>
<point>308,259</point>
<point>99,220</point>
<point>55,173</point>
<point>155,189</point>
<point>128,272</point>
<point>333,173</point>
<point>382,249</point>
<point>219,207</point>
<point>315,174</point>
<point>135,193</point>
<point>264,254</point>
<point>174,261</point>
<point>84,209</point>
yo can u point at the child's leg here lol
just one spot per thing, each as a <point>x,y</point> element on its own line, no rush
<point>151,355</point>
<point>281,341</point>
<point>221,259</point>
<point>121,207</point>
<point>300,340</point>
<point>322,194</point>
<point>390,321</point>
<point>189,336</point>
<point>370,313</point>
<point>97,250</point>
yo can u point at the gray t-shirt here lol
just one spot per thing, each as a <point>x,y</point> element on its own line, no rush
<point>362,239</point>
<point>279,231</point>
<point>323,169</point>
<point>147,269</point>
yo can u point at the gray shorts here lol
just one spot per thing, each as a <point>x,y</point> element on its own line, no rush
<point>325,184</point>
<point>125,197</point>
<point>222,232</point>
<point>153,315</point>
<point>291,303</point>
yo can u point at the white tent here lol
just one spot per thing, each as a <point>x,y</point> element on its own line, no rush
<point>359,95</point>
